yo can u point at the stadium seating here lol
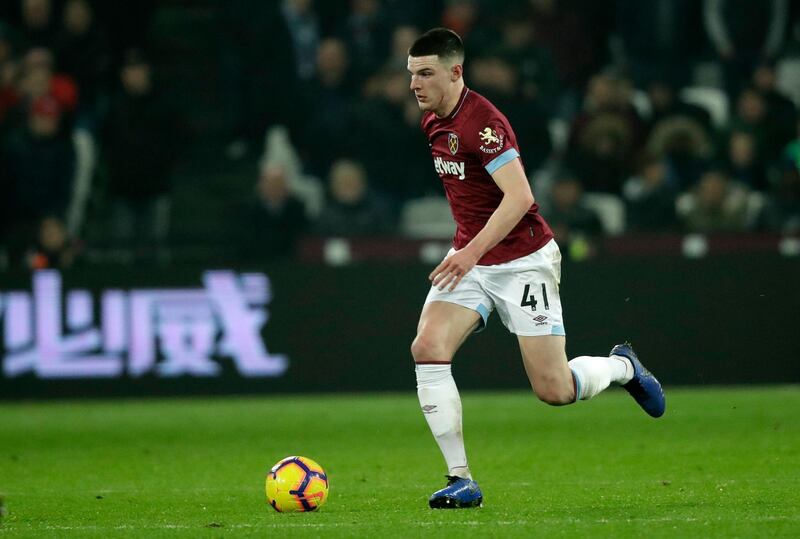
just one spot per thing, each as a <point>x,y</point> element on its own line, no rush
<point>713,100</point>
<point>427,217</point>
<point>610,209</point>
<point>788,78</point>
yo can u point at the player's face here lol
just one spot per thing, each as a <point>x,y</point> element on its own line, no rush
<point>431,81</point>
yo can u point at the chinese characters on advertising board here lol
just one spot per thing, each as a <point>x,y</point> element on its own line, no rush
<point>163,332</point>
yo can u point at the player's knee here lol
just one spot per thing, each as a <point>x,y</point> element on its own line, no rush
<point>425,349</point>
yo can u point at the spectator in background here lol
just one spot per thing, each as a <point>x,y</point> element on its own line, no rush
<point>54,248</point>
<point>142,139</point>
<point>328,98</point>
<point>538,80</point>
<point>367,32</point>
<point>39,25</point>
<point>781,116</point>
<point>38,164</point>
<point>302,23</point>
<point>8,74</point>
<point>752,117</point>
<point>280,152</point>
<point>742,162</point>
<point>650,197</point>
<point>8,99</point>
<point>715,204</point>
<point>576,33</point>
<point>258,73</point>
<point>128,27</point>
<point>568,215</point>
<point>781,213</point>
<point>352,208</point>
<point>744,34</point>
<point>84,54</point>
<point>659,39</point>
<point>461,16</point>
<point>403,36</point>
<point>272,223</point>
<point>791,153</point>
<point>665,104</point>
<point>414,13</point>
<point>38,79</point>
<point>605,135</point>
<point>498,80</point>
<point>686,147</point>
<point>519,76</point>
<point>387,125</point>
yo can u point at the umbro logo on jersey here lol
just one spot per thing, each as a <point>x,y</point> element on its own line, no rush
<point>449,167</point>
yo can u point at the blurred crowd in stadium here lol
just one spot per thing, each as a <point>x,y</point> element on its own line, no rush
<point>633,116</point>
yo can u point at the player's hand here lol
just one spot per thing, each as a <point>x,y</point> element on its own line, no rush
<point>452,269</point>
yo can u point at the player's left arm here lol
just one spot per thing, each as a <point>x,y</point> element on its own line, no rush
<point>517,200</point>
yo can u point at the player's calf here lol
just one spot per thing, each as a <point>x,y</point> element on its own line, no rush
<point>554,386</point>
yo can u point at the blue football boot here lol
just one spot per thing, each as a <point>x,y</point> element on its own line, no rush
<point>643,387</point>
<point>459,493</point>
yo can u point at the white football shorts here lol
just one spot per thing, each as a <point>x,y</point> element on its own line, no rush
<point>524,292</point>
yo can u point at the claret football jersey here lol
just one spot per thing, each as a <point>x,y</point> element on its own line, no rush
<point>467,147</point>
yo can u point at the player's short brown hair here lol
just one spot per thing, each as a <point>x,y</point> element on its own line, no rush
<point>441,42</point>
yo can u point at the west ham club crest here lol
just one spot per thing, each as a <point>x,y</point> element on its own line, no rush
<point>452,142</point>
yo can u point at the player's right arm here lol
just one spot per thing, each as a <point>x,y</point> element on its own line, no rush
<point>517,200</point>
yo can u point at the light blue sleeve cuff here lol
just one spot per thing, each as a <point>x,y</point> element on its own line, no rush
<point>505,157</point>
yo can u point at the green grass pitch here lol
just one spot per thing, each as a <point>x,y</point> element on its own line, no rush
<point>720,463</point>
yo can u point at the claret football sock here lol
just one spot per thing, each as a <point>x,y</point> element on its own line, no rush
<point>594,374</point>
<point>441,405</point>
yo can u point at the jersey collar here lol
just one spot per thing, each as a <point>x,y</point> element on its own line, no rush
<point>460,103</point>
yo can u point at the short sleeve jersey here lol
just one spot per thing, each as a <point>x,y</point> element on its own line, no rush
<point>468,146</point>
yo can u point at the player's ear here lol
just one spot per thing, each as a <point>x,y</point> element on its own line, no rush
<point>456,72</point>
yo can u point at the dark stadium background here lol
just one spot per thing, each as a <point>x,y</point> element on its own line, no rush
<point>702,277</point>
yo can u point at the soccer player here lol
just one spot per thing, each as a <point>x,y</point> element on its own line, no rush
<point>503,257</point>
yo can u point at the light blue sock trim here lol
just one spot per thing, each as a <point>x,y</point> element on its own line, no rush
<point>505,157</point>
<point>578,384</point>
